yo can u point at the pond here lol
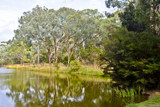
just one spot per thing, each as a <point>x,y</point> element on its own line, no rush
<point>33,89</point>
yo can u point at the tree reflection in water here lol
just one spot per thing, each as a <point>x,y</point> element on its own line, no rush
<point>36,90</point>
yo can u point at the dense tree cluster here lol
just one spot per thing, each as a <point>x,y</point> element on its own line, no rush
<point>131,55</point>
<point>47,35</point>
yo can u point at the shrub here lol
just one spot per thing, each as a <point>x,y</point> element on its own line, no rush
<point>65,60</point>
<point>75,65</point>
<point>56,65</point>
<point>133,58</point>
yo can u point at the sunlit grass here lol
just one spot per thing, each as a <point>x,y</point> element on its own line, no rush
<point>154,102</point>
<point>89,70</point>
<point>84,70</point>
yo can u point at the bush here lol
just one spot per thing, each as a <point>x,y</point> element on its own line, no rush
<point>65,60</point>
<point>56,65</point>
<point>133,58</point>
<point>75,65</point>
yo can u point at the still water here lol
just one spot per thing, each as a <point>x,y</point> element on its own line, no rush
<point>33,89</point>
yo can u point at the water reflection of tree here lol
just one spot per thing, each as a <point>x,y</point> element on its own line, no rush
<point>28,89</point>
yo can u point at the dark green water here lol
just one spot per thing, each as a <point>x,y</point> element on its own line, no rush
<point>29,89</point>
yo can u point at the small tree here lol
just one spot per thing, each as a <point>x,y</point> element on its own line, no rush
<point>75,65</point>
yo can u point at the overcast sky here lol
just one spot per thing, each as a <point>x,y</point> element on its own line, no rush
<point>11,10</point>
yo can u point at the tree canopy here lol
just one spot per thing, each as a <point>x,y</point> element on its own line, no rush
<point>131,54</point>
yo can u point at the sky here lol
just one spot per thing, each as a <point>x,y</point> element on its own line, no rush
<point>11,10</point>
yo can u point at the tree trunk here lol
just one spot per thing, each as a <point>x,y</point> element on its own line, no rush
<point>55,51</point>
<point>22,58</point>
<point>75,55</point>
<point>21,61</point>
<point>68,60</point>
<point>155,24</point>
<point>49,56</point>
<point>38,52</point>
<point>57,56</point>
<point>69,52</point>
<point>155,18</point>
<point>69,57</point>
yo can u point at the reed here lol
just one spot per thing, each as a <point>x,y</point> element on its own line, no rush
<point>126,92</point>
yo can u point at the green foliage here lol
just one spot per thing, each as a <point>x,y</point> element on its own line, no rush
<point>130,21</point>
<point>125,92</point>
<point>56,65</point>
<point>131,53</point>
<point>133,58</point>
<point>75,65</point>
<point>110,24</point>
<point>120,4</point>
<point>90,71</point>
<point>116,3</point>
<point>90,54</point>
<point>60,59</point>
<point>44,34</point>
<point>65,60</point>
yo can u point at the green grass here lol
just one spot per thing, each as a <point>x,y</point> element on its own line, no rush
<point>84,70</point>
<point>30,68</point>
<point>89,71</point>
<point>154,102</point>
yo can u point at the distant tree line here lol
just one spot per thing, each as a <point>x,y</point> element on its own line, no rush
<point>46,36</point>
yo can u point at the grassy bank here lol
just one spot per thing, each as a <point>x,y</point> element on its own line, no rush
<point>154,102</point>
<point>84,70</point>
